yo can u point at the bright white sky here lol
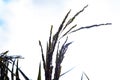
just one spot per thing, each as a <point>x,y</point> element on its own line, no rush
<point>96,50</point>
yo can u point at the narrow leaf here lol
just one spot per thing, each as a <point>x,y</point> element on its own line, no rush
<point>17,73</point>
<point>3,64</point>
<point>25,77</point>
<point>67,71</point>
<point>4,53</point>
<point>39,73</point>
<point>82,77</point>
<point>43,59</point>
<point>86,76</point>
<point>50,43</point>
<point>12,73</point>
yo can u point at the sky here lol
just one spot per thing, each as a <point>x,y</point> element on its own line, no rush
<point>95,51</point>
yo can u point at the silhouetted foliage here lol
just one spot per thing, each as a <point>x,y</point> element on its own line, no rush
<point>54,46</point>
<point>54,43</point>
<point>5,61</point>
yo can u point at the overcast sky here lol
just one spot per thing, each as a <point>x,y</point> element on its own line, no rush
<point>96,50</point>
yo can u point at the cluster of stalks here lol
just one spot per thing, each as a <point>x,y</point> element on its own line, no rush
<point>14,71</point>
<point>54,46</point>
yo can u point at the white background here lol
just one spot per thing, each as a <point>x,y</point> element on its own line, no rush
<point>95,51</point>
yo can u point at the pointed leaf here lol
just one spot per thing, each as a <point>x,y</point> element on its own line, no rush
<point>12,73</point>
<point>17,73</point>
<point>86,76</point>
<point>39,73</point>
<point>82,77</point>
<point>67,71</point>
<point>25,77</point>
<point>43,59</point>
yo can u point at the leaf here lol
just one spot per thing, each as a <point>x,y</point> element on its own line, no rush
<point>43,59</point>
<point>25,77</point>
<point>82,77</point>
<point>50,34</point>
<point>6,67</point>
<point>39,73</point>
<point>67,71</point>
<point>17,73</point>
<point>85,76</point>
<point>3,54</point>
<point>12,73</point>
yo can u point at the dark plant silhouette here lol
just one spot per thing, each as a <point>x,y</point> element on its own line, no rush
<point>54,46</point>
<point>54,43</point>
<point>5,61</point>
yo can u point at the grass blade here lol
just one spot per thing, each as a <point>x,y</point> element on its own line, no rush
<point>86,76</point>
<point>67,71</point>
<point>25,77</point>
<point>39,73</point>
<point>12,73</point>
<point>17,73</point>
<point>43,59</point>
